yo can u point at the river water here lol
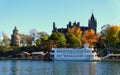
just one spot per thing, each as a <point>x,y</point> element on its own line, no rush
<point>38,67</point>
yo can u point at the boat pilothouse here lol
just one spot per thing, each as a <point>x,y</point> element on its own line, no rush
<point>85,53</point>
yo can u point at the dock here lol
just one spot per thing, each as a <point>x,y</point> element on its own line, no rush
<point>112,57</point>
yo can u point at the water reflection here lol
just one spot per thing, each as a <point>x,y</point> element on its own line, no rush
<point>74,68</point>
<point>37,67</point>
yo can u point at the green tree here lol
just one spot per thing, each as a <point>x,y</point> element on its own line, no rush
<point>41,38</point>
<point>113,34</point>
<point>73,41</point>
<point>73,37</point>
<point>58,38</point>
<point>38,42</point>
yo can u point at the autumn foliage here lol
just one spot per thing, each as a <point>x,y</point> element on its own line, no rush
<point>113,34</point>
<point>89,37</point>
<point>73,37</point>
<point>76,31</point>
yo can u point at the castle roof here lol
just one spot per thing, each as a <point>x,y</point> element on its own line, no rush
<point>15,28</point>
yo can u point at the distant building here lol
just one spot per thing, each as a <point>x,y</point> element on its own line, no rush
<point>92,24</point>
<point>15,38</point>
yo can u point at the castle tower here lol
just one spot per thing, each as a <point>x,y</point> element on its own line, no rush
<point>92,23</point>
<point>54,27</point>
<point>69,25</point>
<point>15,38</point>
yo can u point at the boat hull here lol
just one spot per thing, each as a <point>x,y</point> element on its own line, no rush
<point>78,59</point>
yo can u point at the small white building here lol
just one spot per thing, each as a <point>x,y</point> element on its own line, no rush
<point>38,54</point>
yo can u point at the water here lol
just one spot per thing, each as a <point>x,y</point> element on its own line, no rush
<point>37,67</point>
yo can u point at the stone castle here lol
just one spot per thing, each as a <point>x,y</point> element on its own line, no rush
<point>92,24</point>
<point>15,38</point>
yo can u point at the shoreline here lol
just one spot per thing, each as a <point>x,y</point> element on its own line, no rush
<point>42,59</point>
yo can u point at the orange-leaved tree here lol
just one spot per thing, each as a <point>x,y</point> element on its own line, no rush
<point>90,37</point>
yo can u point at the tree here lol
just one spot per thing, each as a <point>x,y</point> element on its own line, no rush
<point>101,41</point>
<point>5,44</point>
<point>6,40</point>
<point>42,36</point>
<point>89,37</point>
<point>58,38</point>
<point>25,40</point>
<point>105,28</point>
<point>73,37</point>
<point>113,34</point>
<point>47,45</point>
<point>38,42</point>
<point>76,31</point>
<point>33,34</point>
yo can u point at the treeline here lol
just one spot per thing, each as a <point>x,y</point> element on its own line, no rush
<point>109,37</point>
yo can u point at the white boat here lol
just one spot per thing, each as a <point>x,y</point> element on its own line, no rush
<point>85,53</point>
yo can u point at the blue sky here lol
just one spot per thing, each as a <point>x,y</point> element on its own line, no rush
<point>40,14</point>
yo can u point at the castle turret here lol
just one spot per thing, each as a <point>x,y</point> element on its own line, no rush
<point>69,25</point>
<point>15,38</point>
<point>54,27</point>
<point>78,24</point>
<point>92,23</point>
<point>15,31</point>
<point>74,24</point>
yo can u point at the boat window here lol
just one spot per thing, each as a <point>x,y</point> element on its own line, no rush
<point>52,55</point>
<point>53,51</point>
<point>59,55</point>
